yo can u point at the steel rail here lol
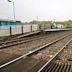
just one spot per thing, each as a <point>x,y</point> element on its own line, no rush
<point>44,66</point>
<point>18,38</point>
<point>15,39</point>
<point>19,41</point>
<point>31,52</point>
<point>16,43</point>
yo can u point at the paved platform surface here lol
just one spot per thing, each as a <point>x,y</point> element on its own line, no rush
<point>46,30</point>
<point>57,29</point>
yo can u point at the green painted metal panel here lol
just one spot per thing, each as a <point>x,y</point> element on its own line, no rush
<point>12,23</point>
<point>0,24</point>
<point>6,24</point>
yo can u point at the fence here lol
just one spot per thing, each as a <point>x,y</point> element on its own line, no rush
<point>18,29</point>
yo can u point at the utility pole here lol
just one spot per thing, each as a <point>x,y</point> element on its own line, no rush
<point>37,18</point>
<point>13,8</point>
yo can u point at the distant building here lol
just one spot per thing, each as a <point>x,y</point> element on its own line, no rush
<point>18,23</point>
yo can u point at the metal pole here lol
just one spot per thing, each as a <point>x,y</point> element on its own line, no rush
<point>14,9</point>
<point>37,18</point>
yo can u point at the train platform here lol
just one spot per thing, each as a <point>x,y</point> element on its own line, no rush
<point>50,30</point>
<point>46,30</point>
<point>28,34</point>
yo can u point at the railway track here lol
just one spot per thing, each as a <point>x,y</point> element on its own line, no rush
<point>10,53</point>
<point>17,41</point>
<point>36,58</point>
<point>61,61</point>
<point>20,40</point>
<point>58,67</point>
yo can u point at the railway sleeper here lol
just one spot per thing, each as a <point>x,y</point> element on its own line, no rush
<point>59,67</point>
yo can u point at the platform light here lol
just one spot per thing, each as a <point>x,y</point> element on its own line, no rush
<point>13,7</point>
<point>9,1</point>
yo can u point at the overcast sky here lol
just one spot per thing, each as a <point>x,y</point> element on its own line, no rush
<point>27,10</point>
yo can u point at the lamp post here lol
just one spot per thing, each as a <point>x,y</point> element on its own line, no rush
<point>13,7</point>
